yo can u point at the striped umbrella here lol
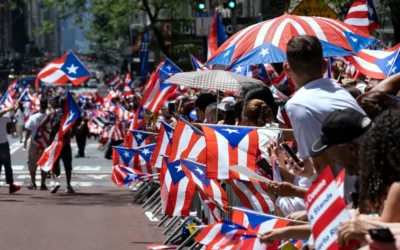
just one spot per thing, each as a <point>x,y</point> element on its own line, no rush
<point>280,30</point>
<point>211,79</point>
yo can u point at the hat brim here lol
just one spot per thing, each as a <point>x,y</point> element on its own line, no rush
<point>318,148</point>
<point>221,106</point>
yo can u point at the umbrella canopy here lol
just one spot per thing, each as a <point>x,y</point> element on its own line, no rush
<point>211,79</point>
<point>280,30</point>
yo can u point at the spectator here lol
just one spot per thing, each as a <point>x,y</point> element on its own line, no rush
<point>354,92</point>
<point>201,104</point>
<point>374,102</point>
<point>256,113</point>
<point>238,109</point>
<point>212,114</point>
<point>263,93</point>
<point>20,117</point>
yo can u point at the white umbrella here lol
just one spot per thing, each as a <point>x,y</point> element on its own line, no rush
<point>212,79</point>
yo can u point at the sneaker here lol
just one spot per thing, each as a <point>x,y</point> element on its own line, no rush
<point>55,188</point>
<point>43,187</point>
<point>14,188</point>
<point>69,190</point>
<point>32,186</point>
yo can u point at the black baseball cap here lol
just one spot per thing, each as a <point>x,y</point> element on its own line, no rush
<point>340,126</point>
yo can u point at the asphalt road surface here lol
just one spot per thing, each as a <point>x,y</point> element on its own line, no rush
<point>99,216</point>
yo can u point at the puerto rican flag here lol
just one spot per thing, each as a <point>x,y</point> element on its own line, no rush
<point>253,194</point>
<point>362,15</point>
<point>365,61</point>
<point>137,138</point>
<point>114,82</point>
<point>123,175</point>
<point>196,173</point>
<point>25,97</point>
<point>187,142</point>
<point>259,223</point>
<point>67,68</point>
<point>6,101</point>
<point>128,92</point>
<point>217,35</point>
<point>230,146</point>
<point>138,120</point>
<point>137,158</point>
<point>163,144</point>
<point>157,91</point>
<point>197,64</point>
<point>41,138</point>
<point>224,235</point>
<point>116,132</point>
<point>13,88</point>
<point>390,65</point>
<point>176,189</point>
<point>71,114</point>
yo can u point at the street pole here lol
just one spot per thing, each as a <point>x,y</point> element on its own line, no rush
<point>234,20</point>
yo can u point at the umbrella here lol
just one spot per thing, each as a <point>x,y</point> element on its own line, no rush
<point>280,30</point>
<point>211,79</point>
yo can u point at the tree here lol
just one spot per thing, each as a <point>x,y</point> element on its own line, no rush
<point>110,19</point>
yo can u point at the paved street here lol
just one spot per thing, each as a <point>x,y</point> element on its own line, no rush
<point>99,216</point>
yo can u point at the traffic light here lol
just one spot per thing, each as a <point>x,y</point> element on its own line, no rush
<point>230,4</point>
<point>201,6</point>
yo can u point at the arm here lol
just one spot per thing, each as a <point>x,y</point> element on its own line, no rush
<point>291,232</point>
<point>390,85</point>
<point>46,120</point>
<point>392,205</point>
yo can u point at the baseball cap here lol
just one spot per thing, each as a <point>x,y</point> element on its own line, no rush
<point>223,105</point>
<point>340,126</point>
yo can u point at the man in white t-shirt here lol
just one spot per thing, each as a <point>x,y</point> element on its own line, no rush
<point>35,150</point>
<point>5,156</point>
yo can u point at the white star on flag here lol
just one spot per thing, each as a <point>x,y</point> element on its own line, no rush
<point>394,69</point>
<point>230,131</point>
<point>354,39</point>
<point>239,69</point>
<point>126,154</point>
<point>178,168</point>
<point>146,151</point>
<point>169,67</point>
<point>390,62</point>
<point>169,134</point>
<point>72,69</point>
<point>370,10</point>
<point>264,51</point>
<point>139,136</point>
<point>199,171</point>
<point>227,53</point>
<point>70,117</point>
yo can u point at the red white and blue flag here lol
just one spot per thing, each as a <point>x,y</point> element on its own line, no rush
<point>67,68</point>
<point>128,92</point>
<point>163,144</point>
<point>197,64</point>
<point>13,88</point>
<point>230,146</point>
<point>224,235</point>
<point>6,101</point>
<point>390,65</point>
<point>196,173</point>
<point>41,138</point>
<point>157,91</point>
<point>253,194</point>
<point>71,114</point>
<point>138,120</point>
<point>187,142</point>
<point>114,82</point>
<point>362,15</point>
<point>123,175</point>
<point>137,138</point>
<point>258,223</point>
<point>176,189</point>
<point>217,35</point>
<point>137,158</point>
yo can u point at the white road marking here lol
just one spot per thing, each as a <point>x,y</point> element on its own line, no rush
<point>18,167</point>
<point>15,147</point>
<point>23,176</point>
<point>98,177</point>
<point>86,168</point>
<point>150,216</point>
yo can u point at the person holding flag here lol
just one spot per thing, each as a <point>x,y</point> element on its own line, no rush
<point>35,150</point>
<point>5,156</point>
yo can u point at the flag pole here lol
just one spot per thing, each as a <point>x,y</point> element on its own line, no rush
<point>267,128</point>
<point>267,215</point>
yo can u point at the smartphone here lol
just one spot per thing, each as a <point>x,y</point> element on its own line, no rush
<point>290,153</point>
<point>382,234</point>
<point>263,163</point>
<point>171,108</point>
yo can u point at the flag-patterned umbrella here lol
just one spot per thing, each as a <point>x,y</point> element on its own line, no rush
<point>280,30</point>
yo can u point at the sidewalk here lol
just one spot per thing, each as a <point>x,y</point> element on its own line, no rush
<point>93,218</point>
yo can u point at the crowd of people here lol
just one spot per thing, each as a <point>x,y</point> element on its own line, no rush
<point>347,124</point>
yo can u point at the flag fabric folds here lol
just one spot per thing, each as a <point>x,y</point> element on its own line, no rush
<point>163,144</point>
<point>67,68</point>
<point>362,15</point>
<point>6,101</point>
<point>217,35</point>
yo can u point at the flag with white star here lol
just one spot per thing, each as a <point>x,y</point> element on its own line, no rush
<point>123,175</point>
<point>390,65</point>
<point>136,158</point>
<point>196,172</point>
<point>137,138</point>
<point>230,146</point>
<point>71,113</point>
<point>163,144</point>
<point>156,91</point>
<point>176,189</point>
<point>6,101</point>
<point>362,15</point>
<point>217,35</point>
<point>67,68</point>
